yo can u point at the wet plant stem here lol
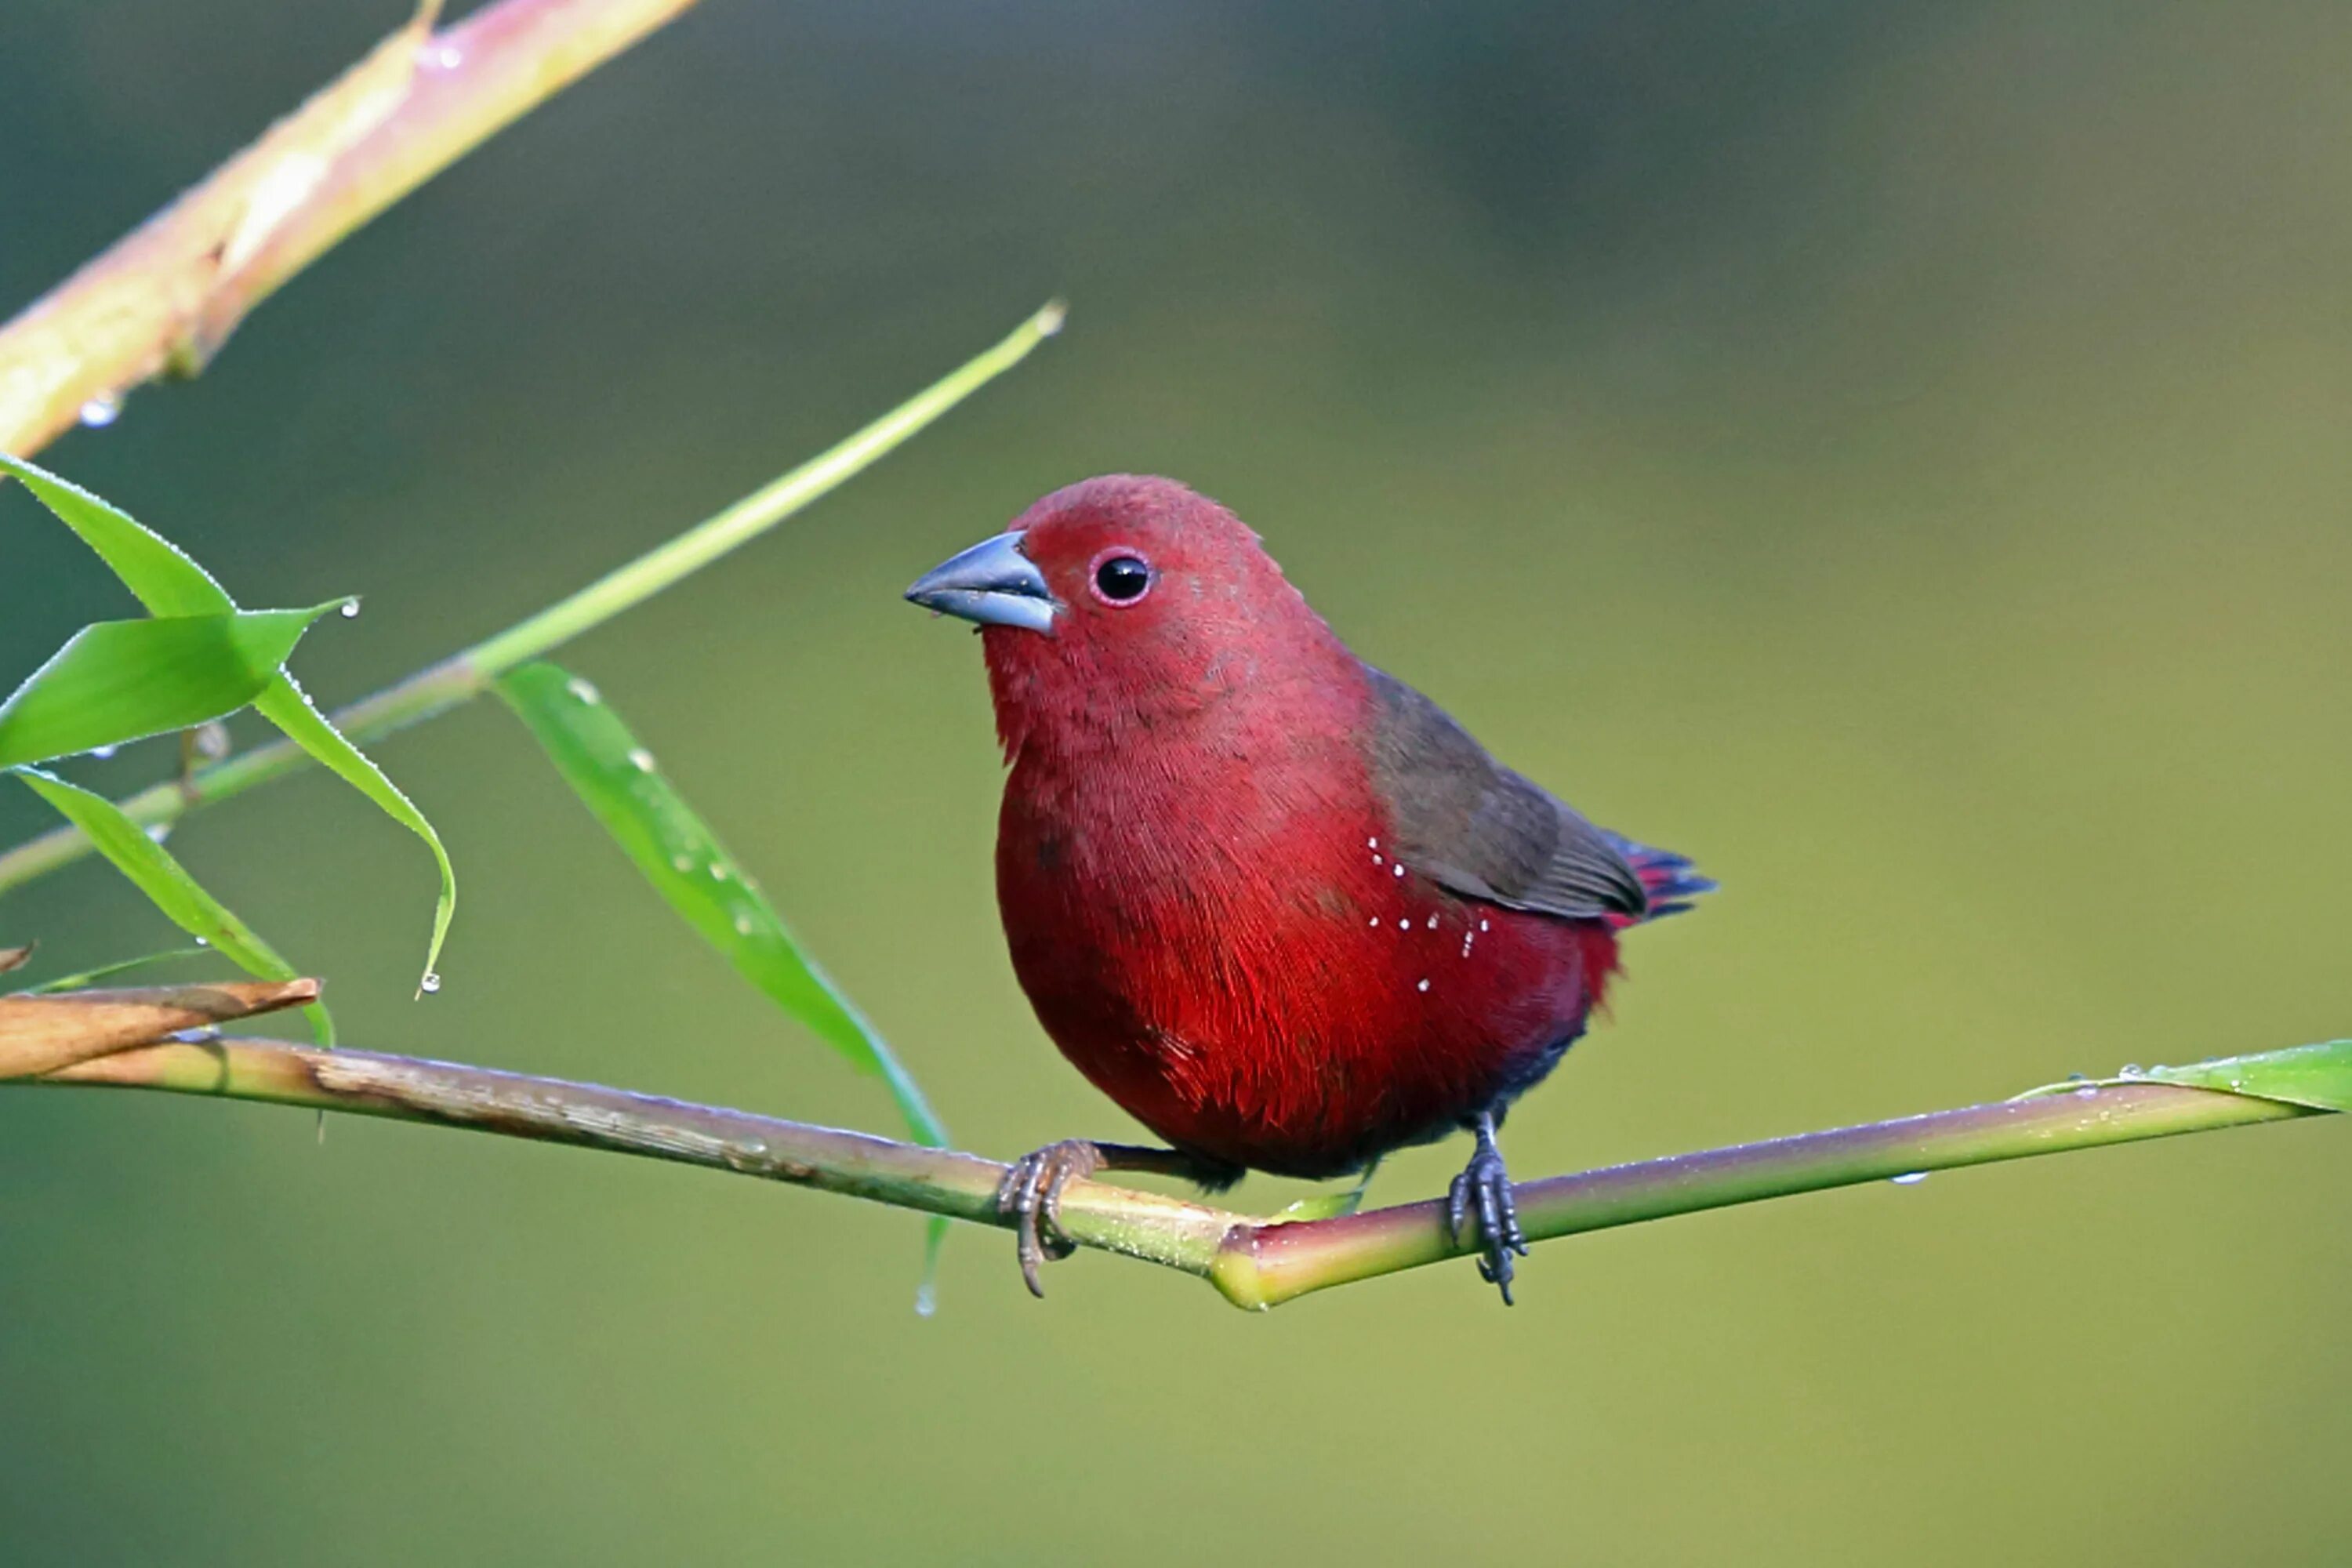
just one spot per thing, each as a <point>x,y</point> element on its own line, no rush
<point>1254,1263</point>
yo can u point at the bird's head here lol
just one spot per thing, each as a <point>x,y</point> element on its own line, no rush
<point>1122,601</point>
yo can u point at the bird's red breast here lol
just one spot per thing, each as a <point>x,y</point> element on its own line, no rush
<point>1273,902</point>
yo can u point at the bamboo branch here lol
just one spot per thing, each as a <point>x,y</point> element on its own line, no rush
<point>1254,1263</point>
<point>165,297</point>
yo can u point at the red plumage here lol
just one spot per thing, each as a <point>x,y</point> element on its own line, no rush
<point>1272,903</point>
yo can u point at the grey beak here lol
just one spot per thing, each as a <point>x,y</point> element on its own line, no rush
<point>992,582</point>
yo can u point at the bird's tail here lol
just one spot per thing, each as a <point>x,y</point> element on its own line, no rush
<point>1668,878</point>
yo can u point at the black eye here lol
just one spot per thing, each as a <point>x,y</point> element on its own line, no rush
<point>1122,578</point>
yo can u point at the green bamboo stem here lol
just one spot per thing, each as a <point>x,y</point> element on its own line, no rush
<point>1254,1263</point>
<point>465,676</point>
<point>906,1175</point>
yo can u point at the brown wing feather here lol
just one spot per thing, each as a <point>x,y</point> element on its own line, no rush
<point>1464,820</point>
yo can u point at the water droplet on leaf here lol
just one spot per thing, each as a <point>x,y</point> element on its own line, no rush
<point>641,758</point>
<point>351,611</point>
<point>101,411</point>
<point>1909,1178</point>
<point>430,984</point>
<point>581,689</point>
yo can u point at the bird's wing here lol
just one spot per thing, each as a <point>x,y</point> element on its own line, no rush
<point>1472,824</point>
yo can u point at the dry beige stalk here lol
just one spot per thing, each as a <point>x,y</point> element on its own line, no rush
<point>42,1033</point>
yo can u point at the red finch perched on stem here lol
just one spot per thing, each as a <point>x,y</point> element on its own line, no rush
<point>1273,902</point>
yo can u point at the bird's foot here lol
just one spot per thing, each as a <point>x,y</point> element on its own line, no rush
<point>1032,1194</point>
<point>1480,1200</point>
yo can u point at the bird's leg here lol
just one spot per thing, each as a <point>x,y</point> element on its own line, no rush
<point>1032,1191</point>
<point>1483,1191</point>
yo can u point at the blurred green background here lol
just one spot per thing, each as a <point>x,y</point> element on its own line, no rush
<point>1895,453</point>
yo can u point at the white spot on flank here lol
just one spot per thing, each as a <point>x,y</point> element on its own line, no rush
<point>1433,923</point>
<point>1423,986</point>
<point>1376,920</point>
<point>1404,925</point>
<point>1376,859</point>
<point>1399,867</point>
<point>1482,925</point>
<point>1371,844</point>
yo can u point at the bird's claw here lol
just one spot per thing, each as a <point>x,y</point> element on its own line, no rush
<point>1032,1193</point>
<point>1482,1193</point>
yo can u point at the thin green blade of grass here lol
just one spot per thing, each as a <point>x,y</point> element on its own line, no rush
<point>117,681</point>
<point>617,780</point>
<point>153,870</point>
<point>2317,1076</point>
<point>168,581</point>
<point>83,980</point>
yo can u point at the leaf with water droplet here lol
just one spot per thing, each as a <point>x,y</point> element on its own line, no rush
<point>169,583</point>
<point>117,681</point>
<point>2316,1075</point>
<point>675,850</point>
<point>615,778</point>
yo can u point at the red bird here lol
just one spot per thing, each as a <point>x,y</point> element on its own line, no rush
<point>1273,902</point>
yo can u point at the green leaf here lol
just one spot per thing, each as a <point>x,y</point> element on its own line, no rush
<point>154,872</point>
<point>123,680</point>
<point>616,779</point>
<point>289,707</point>
<point>162,576</point>
<point>2318,1076</point>
<point>169,584</point>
